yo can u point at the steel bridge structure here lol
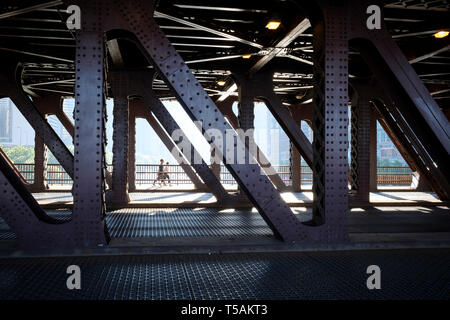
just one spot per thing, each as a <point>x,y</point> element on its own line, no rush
<point>324,64</point>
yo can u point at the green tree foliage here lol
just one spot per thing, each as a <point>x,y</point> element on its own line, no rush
<point>384,162</point>
<point>20,154</point>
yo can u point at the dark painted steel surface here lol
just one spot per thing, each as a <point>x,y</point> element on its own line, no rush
<point>10,84</point>
<point>330,123</point>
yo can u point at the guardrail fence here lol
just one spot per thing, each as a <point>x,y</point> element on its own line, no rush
<point>147,173</point>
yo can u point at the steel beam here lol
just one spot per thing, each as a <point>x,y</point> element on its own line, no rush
<point>200,107</point>
<point>31,225</point>
<point>132,147</point>
<point>89,140</point>
<point>360,145</point>
<point>146,113</point>
<point>225,107</point>
<point>330,123</point>
<point>412,105</point>
<point>13,167</point>
<point>260,86</point>
<point>11,87</point>
<point>374,116</point>
<point>40,166</point>
<point>138,84</point>
<point>118,194</point>
<point>300,112</point>
<point>30,9</point>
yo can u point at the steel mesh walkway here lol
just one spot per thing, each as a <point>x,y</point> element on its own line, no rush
<point>180,222</point>
<point>230,223</point>
<point>406,274</point>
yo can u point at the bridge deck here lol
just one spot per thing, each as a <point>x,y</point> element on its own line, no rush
<point>311,275</point>
<point>172,230</point>
<point>189,199</point>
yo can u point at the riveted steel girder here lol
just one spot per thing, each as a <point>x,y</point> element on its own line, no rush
<point>31,225</point>
<point>199,106</point>
<point>140,83</point>
<point>144,111</point>
<point>225,108</point>
<point>261,86</point>
<point>10,86</point>
<point>410,103</point>
<point>330,119</point>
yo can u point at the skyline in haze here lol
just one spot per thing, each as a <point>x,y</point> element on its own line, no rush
<point>15,130</point>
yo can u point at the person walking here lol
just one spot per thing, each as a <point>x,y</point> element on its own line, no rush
<point>160,177</point>
<point>166,172</point>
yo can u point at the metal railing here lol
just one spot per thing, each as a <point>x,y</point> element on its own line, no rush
<point>147,173</point>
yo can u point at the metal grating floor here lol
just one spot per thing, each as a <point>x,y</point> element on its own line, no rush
<point>230,223</point>
<point>180,222</point>
<point>405,274</point>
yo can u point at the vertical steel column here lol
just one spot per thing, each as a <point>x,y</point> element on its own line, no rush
<point>295,168</point>
<point>373,150</point>
<point>132,146</point>
<point>330,167</point>
<point>246,117</point>
<point>89,184</point>
<point>119,190</point>
<point>295,160</point>
<point>360,145</point>
<point>40,166</point>
<point>301,112</point>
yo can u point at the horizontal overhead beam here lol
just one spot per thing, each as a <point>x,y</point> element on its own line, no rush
<point>30,9</point>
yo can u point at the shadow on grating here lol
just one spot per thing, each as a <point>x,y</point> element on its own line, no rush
<point>406,274</point>
<point>149,222</point>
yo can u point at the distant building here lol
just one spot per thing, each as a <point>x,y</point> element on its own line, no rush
<point>386,148</point>
<point>14,128</point>
<point>5,121</point>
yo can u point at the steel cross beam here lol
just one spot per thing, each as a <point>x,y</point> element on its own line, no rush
<point>260,86</point>
<point>226,109</point>
<point>402,144</point>
<point>143,111</point>
<point>417,112</point>
<point>52,104</point>
<point>427,148</point>
<point>139,83</point>
<point>372,92</point>
<point>200,107</point>
<point>283,43</point>
<point>120,85</point>
<point>416,149</point>
<point>13,167</point>
<point>171,146</point>
<point>274,52</point>
<point>31,225</point>
<point>11,87</point>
